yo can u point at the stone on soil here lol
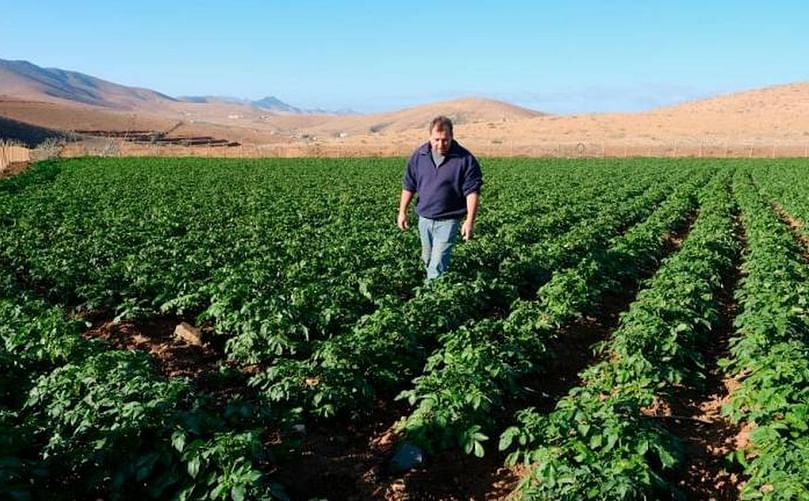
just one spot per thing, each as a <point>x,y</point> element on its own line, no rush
<point>188,333</point>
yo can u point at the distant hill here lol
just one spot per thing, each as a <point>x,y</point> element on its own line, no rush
<point>212,99</point>
<point>269,103</point>
<point>64,100</point>
<point>75,101</point>
<point>461,111</point>
<point>275,104</point>
<point>784,101</point>
<point>771,115</point>
<point>24,80</point>
<point>21,79</point>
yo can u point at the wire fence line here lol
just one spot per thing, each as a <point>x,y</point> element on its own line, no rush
<point>578,149</point>
<point>109,147</point>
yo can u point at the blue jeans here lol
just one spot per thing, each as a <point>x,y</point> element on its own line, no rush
<point>437,239</point>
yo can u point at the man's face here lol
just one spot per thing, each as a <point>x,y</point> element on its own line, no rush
<point>440,140</point>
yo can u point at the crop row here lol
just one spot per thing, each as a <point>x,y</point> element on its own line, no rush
<point>476,368</point>
<point>272,254</point>
<point>258,332</point>
<point>297,264</point>
<point>598,442</point>
<point>78,420</point>
<point>347,371</point>
<point>770,354</point>
<point>142,236</point>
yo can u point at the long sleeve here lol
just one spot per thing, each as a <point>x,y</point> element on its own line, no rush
<point>473,177</point>
<point>409,182</point>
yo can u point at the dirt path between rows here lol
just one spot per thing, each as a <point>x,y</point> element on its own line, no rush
<point>574,348</point>
<point>695,413</point>
<point>174,357</point>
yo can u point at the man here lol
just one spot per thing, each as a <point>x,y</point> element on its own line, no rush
<point>447,179</point>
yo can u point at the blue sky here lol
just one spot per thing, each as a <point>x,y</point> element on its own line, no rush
<point>562,57</point>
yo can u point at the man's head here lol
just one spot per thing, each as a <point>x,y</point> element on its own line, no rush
<point>441,134</point>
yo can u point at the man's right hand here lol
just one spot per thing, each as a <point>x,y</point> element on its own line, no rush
<point>402,221</point>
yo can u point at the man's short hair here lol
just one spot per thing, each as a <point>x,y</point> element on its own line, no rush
<point>441,123</point>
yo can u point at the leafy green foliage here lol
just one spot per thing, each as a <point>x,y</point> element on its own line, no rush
<point>598,443</point>
<point>297,265</point>
<point>476,368</point>
<point>770,353</point>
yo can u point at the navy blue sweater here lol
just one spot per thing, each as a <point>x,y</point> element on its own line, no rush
<point>442,190</point>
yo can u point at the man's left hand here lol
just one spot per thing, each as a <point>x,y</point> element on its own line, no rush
<point>467,229</point>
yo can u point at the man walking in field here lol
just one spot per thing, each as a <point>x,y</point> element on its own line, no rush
<point>447,179</point>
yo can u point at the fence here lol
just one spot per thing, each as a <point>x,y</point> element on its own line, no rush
<point>12,153</point>
<point>593,149</point>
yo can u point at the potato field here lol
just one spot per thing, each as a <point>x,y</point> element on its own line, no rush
<point>616,329</point>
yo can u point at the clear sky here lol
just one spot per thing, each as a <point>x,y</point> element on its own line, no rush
<point>562,57</point>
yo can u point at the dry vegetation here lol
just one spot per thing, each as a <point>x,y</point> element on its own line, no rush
<point>764,122</point>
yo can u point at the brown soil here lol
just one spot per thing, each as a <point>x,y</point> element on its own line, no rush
<point>350,460</point>
<point>457,476</point>
<point>340,460</point>
<point>574,348</point>
<point>156,336</point>
<point>13,169</point>
<point>659,408</point>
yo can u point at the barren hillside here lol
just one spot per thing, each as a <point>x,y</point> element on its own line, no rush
<point>61,100</point>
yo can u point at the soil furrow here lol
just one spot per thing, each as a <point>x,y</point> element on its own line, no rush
<point>695,413</point>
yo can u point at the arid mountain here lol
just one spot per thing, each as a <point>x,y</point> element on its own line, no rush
<point>274,104</point>
<point>461,111</point>
<point>22,79</point>
<point>778,114</point>
<point>62,100</point>
<point>65,100</point>
<point>269,103</point>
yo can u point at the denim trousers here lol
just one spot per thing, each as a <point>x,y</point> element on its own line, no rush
<point>437,239</point>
